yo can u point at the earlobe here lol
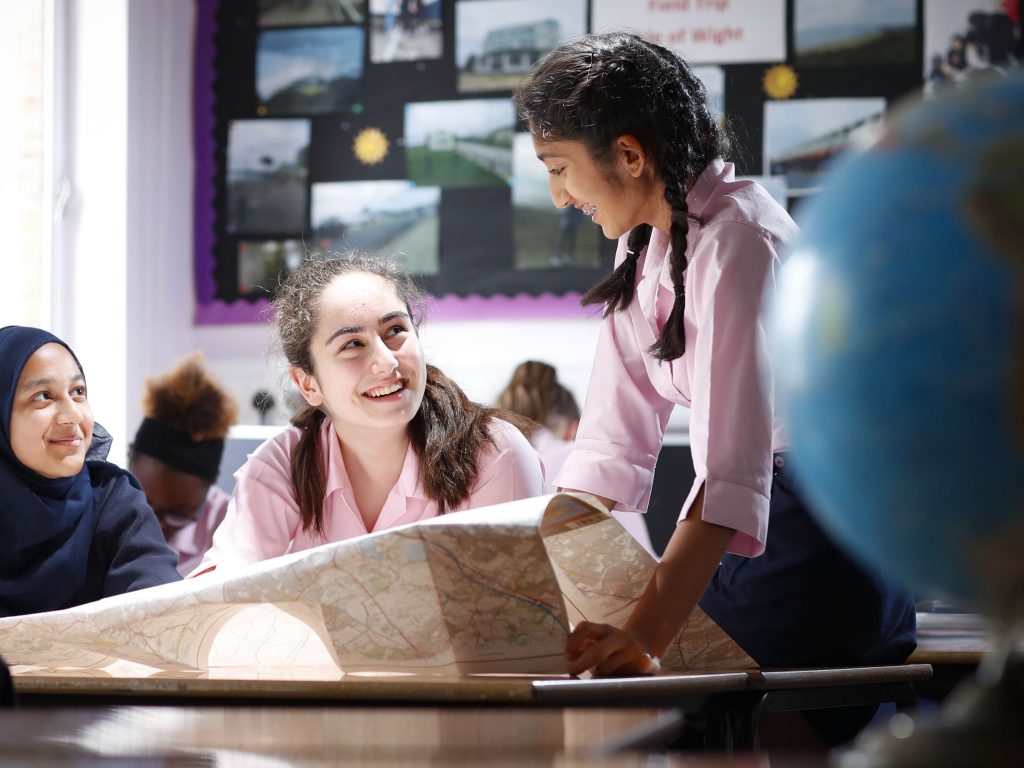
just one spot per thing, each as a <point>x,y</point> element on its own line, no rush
<point>631,153</point>
<point>308,387</point>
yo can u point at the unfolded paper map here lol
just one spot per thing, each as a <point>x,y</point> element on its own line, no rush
<point>491,590</point>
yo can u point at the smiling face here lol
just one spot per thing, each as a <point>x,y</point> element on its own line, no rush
<point>51,421</point>
<point>618,196</point>
<point>368,368</point>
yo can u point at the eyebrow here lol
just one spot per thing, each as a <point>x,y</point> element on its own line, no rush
<point>546,155</point>
<point>347,329</point>
<point>45,381</point>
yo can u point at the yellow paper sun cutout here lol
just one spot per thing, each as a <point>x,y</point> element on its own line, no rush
<point>370,146</point>
<point>780,82</point>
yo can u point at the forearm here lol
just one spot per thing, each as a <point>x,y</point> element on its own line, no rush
<point>690,559</point>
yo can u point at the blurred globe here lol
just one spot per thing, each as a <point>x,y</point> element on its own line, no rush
<point>899,346</point>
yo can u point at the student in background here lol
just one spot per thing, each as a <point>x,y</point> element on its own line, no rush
<point>623,128</point>
<point>535,392</point>
<point>73,527</point>
<point>176,456</point>
<point>384,439</point>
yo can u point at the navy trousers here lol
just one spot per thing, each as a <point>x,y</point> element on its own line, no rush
<point>805,603</point>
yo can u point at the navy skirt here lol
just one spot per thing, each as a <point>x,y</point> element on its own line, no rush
<point>804,602</point>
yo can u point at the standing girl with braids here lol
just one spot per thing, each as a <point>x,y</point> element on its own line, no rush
<point>384,439</point>
<point>622,127</point>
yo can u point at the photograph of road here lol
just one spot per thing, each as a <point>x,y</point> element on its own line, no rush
<point>300,13</point>
<point>854,32</point>
<point>801,136</point>
<point>262,264</point>
<point>395,218</point>
<point>546,237</point>
<point>406,30</point>
<point>309,71</point>
<point>499,41</point>
<point>459,143</point>
<point>266,176</point>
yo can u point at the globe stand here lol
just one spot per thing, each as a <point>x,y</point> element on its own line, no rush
<point>980,724</point>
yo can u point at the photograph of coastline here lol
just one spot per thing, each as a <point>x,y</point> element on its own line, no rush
<point>854,32</point>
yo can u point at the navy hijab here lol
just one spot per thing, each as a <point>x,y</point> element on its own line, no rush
<point>46,526</point>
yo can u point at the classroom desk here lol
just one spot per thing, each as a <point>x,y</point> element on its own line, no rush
<point>954,644</point>
<point>727,704</point>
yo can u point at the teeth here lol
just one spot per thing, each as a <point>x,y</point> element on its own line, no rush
<point>590,211</point>
<point>381,391</point>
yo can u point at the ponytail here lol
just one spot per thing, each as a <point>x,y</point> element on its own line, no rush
<point>616,290</point>
<point>448,433</point>
<point>309,475</point>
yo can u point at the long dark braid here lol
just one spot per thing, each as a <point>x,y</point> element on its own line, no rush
<point>600,87</point>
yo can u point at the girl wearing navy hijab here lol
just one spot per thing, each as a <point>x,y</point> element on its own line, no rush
<point>73,527</point>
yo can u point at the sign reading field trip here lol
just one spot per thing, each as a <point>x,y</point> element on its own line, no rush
<point>702,31</point>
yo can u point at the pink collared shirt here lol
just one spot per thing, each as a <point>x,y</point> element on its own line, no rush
<point>722,377</point>
<point>192,541</point>
<point>263,518</point>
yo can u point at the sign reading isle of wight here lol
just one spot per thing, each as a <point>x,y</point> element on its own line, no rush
<point>702,31</point>
<point>489,590</point>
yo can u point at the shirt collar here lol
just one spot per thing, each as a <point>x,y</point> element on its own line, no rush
<point>717,171</point>
<point>408,484</point>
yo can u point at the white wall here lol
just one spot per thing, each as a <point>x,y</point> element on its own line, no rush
<point>480,355</point>
<point>90,241</point>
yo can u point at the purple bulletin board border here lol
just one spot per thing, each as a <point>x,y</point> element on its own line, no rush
<point>211,311</point>
<point>205,167</point>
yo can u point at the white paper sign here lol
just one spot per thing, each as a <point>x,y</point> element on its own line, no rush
<point>701,31</point>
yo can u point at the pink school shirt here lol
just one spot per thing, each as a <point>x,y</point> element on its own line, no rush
<point>263,519</point>
<point>722,377</point>
<point>192,541</point>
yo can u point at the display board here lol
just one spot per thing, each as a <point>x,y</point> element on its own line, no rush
<point>387,125</point>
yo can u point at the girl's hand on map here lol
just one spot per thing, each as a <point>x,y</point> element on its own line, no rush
<point>607,651</point>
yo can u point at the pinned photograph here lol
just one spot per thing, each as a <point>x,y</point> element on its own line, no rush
<point>302,13</point>
<point>803,135</point>
<point>406,30</point>
<point>262,264</point>
<point>713,79</point>
<point>309,71</point>
<point>854,32</point>
<point>459,143</point>
<point>395,218</point>
<point>547,237</point>
<point>499,41</point>
<point>967,39</point>
<point>268,163</point>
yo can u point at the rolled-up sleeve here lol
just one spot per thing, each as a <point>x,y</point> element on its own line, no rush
<point>623,424</point>
<point>730,385</point>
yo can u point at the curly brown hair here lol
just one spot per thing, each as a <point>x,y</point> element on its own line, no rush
<point>188,399</point>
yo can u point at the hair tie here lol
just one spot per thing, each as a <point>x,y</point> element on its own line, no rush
<point>632,254</point>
